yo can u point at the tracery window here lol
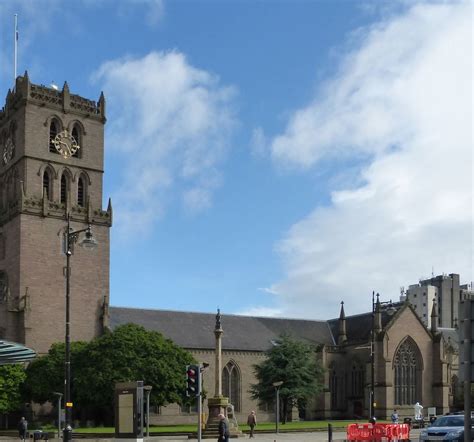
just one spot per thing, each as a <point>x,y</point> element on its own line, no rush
<point>53,131</point>
<point>231,384</point>
<point>407,369</point>
<point>47,184</point>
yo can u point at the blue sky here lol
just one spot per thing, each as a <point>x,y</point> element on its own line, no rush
<point>270,157</point>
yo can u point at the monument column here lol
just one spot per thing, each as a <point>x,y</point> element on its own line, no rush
<point>219,404</point>
<point>218,332</point>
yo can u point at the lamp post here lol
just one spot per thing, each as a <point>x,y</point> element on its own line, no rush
<point>70,238</point>
<point>277,386</point>
<point>376,308</point>
<point>147,389</point>
<point>60,396</point>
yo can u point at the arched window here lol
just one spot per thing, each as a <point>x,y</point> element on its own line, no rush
<point>76,133</point>
<point>407,367</point>
<point>47,184</point>
<point>357,380</point>
<point>64,188</point>
<point>231,384</point>
<point>81,192</point>
<point>53,131</point>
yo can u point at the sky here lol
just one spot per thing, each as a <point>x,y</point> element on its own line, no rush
<point>270,158</point>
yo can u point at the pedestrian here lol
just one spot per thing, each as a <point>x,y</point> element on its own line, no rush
<point>23,428</point>
<point>223,429</point>
<point>394,417</point>
<point>252,422</point>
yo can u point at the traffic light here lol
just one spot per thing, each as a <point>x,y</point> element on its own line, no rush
<point>193,380</point>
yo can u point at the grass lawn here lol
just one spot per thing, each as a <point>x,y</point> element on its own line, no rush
<point>303,425</point>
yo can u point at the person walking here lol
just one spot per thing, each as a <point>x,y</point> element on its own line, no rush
<point>23,428</point>
<point>252,422</point>
<point>223,429</point>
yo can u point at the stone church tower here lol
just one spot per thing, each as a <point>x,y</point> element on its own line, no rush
<point>51,164</point>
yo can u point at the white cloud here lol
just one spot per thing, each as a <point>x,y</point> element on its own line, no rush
<point>402,99</point>
<point>173,121</point>
<point>261,312</point>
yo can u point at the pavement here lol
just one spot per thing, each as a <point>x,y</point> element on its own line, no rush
<point>316,436</point>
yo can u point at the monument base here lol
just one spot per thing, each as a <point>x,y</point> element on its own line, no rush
<point>219,405</point>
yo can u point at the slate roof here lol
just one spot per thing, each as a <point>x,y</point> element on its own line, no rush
<point>193,330</point>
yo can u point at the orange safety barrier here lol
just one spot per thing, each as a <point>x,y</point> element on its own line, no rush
<point>377,432</point>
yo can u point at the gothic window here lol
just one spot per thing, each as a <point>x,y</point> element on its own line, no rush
<point>407,368</point>
<point>81,192</point>
<point>2,246</point>
<point>64,188</point>
<point>231,384</point>
<point>3,286</point>
<point>76,133</point>
<point>47,184</point>
<point>337,387</point>
<point>357,380</point>
<point>53,131</point>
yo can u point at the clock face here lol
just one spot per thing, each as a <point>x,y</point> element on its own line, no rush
<point>8,150</point>
<point>65,144</point>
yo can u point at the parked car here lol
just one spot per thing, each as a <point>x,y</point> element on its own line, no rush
<point>450,427</point>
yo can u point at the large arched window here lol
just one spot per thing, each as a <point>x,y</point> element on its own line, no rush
<point>231,384</point>
<point>54,129</point>
<point>337,387</point>
<point>47,184</point>
<point>81,192</point>
<point>407,366</point>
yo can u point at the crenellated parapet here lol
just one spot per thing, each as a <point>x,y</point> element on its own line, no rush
<point>60,100</point>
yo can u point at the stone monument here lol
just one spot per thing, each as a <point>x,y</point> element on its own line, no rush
<point>219,403</point>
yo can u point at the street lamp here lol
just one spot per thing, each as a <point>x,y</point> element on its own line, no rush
<point>376,305</point>
<point>71,237</point>
<point>147,389</point>
<point>277,386</point>
<point>60,396</point>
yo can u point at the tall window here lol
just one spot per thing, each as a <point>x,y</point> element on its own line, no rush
<point>337,386</point>
<point>357,380</point>
<point>231,384</point>
<point>77,136</point>
<point>47,184</point>
<point>64,188</point>
<point>407,367</point>
<point>81,192</point>
<point>53,131</point>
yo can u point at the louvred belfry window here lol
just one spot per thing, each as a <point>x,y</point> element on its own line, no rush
<point>64,186</point>
<point>76,135</point>
<point>53,131</point>
<point>47,184</point>
<point>81,192</point>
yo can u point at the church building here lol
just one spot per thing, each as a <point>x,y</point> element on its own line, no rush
<point>51,168</point>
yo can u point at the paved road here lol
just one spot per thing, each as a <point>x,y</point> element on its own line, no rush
<point>317,436</point>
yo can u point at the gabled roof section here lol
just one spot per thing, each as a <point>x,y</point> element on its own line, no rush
<point>358,327</point>
<point>12,353</point>
<point>196,330</point>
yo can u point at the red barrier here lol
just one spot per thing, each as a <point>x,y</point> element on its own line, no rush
<point>377,432</point>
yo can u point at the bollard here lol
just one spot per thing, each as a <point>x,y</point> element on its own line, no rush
<point>330,432</point>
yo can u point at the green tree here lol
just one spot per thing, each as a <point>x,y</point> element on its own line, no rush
<point>129,353</point>
<point>11,378</point>
<point>295,364</point>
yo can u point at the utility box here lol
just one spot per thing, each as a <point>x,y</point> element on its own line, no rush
<point>129,411</point>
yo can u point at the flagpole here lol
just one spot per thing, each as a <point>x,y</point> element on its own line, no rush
<point>15,37</point>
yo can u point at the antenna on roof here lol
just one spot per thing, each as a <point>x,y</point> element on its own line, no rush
<point>15,37</point>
